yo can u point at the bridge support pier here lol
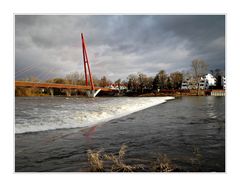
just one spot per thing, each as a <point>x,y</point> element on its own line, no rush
<point>52,92</point>
<point>92,93</point>
<point>68,93</point>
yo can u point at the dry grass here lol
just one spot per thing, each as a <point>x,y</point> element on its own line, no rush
<point>100,161</point>
<point>117,164</point>
<point>122,151</point>
<point>163,164</point>
<point>118,161</point>
<point>95,160</point>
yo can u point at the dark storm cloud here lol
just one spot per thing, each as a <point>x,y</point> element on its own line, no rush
<point>118,45</point>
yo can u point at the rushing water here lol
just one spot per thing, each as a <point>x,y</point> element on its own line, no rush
<point>54,134</point>
<point>49,113</point>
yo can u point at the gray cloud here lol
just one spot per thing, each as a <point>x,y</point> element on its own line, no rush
<point>117,45</point>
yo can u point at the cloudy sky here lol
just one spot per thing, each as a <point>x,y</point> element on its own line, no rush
<point>49,46</point>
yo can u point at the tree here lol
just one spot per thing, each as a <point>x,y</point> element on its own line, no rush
<point>104,82</point>
<point>142,80</point>
<point>81,80</point>
<point>218,74</point>
<point>74,78</point>
<point>160,80</point>
<point>118,82</point>
<point>149,85</point>
<point>32,79</point>
<point>176,79</point>
<point>96,81</point>
<point>199,68</point>
<point>169,84</point>
<point>133,83</point>
<point>163,79</point>
<point>156,82</point>
<point>58,81</point>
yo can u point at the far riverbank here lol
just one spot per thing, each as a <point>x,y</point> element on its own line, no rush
<point>33,92</point>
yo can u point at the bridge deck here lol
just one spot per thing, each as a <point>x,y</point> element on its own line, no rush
<point>53,85</point>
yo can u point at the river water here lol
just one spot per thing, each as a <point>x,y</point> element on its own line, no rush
<point>55,133</point>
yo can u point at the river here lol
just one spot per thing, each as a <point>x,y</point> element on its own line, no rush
<point>55,133</point>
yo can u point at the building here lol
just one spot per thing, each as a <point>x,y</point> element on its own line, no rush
<point>117,87</point>
<point>205,82</point>
<point>223,82</point>
<point>211,79</point>
<point>189,84</point>
<point>184,85</point>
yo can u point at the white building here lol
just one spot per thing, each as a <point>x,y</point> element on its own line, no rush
<point>117,87</point>
<point>205,82</point>
<point>211,79</point>
<point>208,80</point>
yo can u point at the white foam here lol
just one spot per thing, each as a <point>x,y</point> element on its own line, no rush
<point>85,114</point>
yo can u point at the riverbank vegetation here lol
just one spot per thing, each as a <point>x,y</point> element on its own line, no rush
<point>138,84</point>
<point>100,161</point>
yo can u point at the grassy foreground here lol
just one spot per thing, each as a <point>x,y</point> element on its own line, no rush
<point>109,162</point>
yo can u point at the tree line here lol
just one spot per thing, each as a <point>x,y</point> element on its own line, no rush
<point>135,82</point>
<point>76,78</point>
<point>142,83</point>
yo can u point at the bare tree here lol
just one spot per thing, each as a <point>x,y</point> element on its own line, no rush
<point>81,80</point>
<point>118,82</point>
<point>176,79</point>
<point>32,79</point>
<point>133,83</point>
<point>186,75</point>
<point>199,68</point>
<point>96,81</point>
<point>160,80</point>
<point>73,78</point>
<point>150,83</point>
<point>104,82</point>
<point>142,80</point>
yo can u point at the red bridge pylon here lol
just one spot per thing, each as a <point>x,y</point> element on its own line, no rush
<point>86,64</point>
<point>92,93</point>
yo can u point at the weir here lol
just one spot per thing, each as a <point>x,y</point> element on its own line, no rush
<point>86,116</point>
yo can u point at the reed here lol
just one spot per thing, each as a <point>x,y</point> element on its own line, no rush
<point>116,162</point>
<point>163,164</point>
<point>95,160</point>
